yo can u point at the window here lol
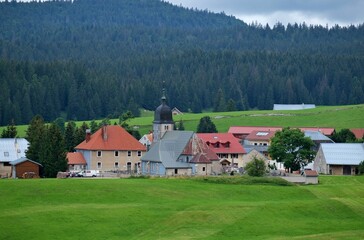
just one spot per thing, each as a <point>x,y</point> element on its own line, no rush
<point>116,164</point>
<point>139,153</point>
<point>129,153</point>
<point>99,165</point>
<point>166,127</point>
<point>203,169</point>
<point>99,153</point>
<point>234,155</point>
<point>6,154</point>
<point>116,153</point>
<point>175,171</point>
<point>18,151</point>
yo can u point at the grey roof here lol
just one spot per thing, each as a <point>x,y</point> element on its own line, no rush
<point>317,136</point>
<point>22,159</point>
<point>12,148</point>
<point>293,106</point>
<point>343,153</point>
<point>169,149</point>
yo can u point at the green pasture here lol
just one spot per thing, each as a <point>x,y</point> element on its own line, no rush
<point>191,208</point>
<point>338,117</point>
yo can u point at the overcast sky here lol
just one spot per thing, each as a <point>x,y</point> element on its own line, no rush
<point>331,12</point>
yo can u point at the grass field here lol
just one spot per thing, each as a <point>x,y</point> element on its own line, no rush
<point>181,209</point>
<point>338,117</point>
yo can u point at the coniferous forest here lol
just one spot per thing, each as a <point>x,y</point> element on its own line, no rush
<point>90,59</point>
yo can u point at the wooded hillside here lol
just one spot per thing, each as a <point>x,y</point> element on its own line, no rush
<point>90,59</point>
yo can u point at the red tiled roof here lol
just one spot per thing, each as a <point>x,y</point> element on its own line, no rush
<point>75,158</point>
<point>234,146</point>
<point>260,135</point>
<point>245,130</point>
<point>117,138</point>
<point>358,132</point>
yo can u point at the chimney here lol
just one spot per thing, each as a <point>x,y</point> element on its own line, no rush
<point>88,135</point>
<point>104,132</point>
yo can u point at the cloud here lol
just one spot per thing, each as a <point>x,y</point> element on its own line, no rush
<point>286,11</point>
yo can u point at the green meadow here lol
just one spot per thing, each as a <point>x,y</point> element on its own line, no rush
<point>338,117</point>
<point>178,208</point>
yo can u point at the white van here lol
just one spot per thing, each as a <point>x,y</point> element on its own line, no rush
<point>89,173</point>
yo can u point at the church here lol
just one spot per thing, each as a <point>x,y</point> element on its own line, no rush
<point>176,153</point>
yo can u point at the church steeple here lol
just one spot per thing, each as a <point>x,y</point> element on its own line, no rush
<point>163,120</point>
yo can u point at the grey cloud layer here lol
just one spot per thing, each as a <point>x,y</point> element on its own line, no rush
<point>339,11</point>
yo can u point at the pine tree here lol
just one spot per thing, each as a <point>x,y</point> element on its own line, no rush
<point>206,125</point>
<point>35,135</point>
<point>69,136</point>
<point>53,156</point>
<point>10,131</point>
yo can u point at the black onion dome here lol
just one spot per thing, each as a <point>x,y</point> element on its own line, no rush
<point>163,113</point>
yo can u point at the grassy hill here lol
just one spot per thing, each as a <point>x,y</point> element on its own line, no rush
<point>338,117</point>
<point>181,209</point>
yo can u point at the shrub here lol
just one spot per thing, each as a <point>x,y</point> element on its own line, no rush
<point>256,167</point>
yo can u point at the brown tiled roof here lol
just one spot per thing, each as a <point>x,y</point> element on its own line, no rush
<point>311,173</point>
<point>197,146</point>
<point>200,158</point>
<point>112,138</point>
<point>260,135</point>
<point>75,158</point>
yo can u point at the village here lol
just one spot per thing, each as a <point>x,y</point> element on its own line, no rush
<point>113,152</point>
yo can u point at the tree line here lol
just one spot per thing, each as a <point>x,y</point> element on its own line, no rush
<point>83,60</point>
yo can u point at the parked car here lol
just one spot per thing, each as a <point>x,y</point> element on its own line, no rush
<point>89,173</point>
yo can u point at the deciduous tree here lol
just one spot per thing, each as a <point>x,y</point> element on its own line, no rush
<point>291,147</point>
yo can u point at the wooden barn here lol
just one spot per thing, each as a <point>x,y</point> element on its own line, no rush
<point>25,168</point>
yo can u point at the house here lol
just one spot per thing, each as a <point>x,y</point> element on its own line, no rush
<point>241,132</point>
<point>259,140</point>
<point>25,168</point>
<point>76,161</point>
<point>179,153</point>
<point>11,149</point>
<point>226,146</point>
<point>147,140</point>
<point>293,106</point>
<point>111,148</point>
<point>176,111</point>
<point>339,158</point>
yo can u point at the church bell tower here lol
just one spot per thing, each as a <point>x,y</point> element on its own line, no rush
<point>163,120</point>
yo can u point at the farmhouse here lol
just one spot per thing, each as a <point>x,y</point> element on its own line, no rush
<point>242,132</point>
<point>111,148</point>
<point>147,140</point>
<point>339,158</point>
<point>11,149</point>
<point>226,146</point>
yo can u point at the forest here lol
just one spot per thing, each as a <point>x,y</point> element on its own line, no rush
<point>91,59</point>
